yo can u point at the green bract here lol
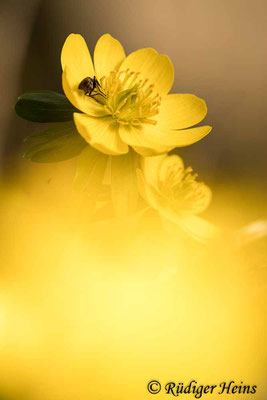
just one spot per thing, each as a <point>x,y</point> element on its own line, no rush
<point>45,106</point>
<point>57,143</point>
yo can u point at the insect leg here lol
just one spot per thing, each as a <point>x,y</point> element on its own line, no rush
<point>97,84</point>
<point>100,92</point>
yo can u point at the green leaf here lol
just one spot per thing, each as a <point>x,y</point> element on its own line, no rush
<point>124,189</point>
<point>45,106</point>
<point>90,170</point>
<point>54,144</point>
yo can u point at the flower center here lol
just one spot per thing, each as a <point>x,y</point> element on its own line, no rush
<point>130,100</point>
<point>183,191</point>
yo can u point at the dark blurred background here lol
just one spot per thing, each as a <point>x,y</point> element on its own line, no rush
<point>218,49</point>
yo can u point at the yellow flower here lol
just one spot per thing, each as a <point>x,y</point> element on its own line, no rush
<point>173,191</point>
<point>131,105</point>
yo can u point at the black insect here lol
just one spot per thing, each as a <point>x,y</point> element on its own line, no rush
<point>88,85</point>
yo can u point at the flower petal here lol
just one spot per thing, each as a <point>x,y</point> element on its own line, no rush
<point>150,168</point>
<point>179,111</point>
<point>149,193</point>
<point>150,140</point>
<point>78,98</point>
<point>198,228</point>
<point>76,56</point>
<point>158,69</point>
<point>141,141</point>
<point>124,189</point>
<point>148,152</point>
<point>91,166</point>
<point>173,165</point>
<point>108,55</point>
<point>100,133</point>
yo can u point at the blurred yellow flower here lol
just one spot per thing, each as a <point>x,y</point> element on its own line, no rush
<point>173,191</point>
<point>127,101</point>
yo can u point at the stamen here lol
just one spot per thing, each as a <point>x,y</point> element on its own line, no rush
<point>148,121</point>
<point>130,100</point>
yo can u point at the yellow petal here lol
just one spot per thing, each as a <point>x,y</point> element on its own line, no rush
<point>158,69</point>
<point>148,152</point>
<point>147,191</point>
<point>172,168</point>
<point>124,189</point>
<point>141,184</point>
<point>150,168</point>
<point>108,55</point>
<point>78,98</point>
<point>171,165</point>
<point>179,111</point>
<point>198,228</point>
<point>91,166</point>
<point>251,232</point>
<point>149,140</point>
<point>140,141</point>
<point>100,133</point>
<point>203,199</point>
<point>179,138</point>
<point>76,56</point>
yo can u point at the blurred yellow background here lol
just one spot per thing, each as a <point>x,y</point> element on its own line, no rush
<point>96,310</point>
